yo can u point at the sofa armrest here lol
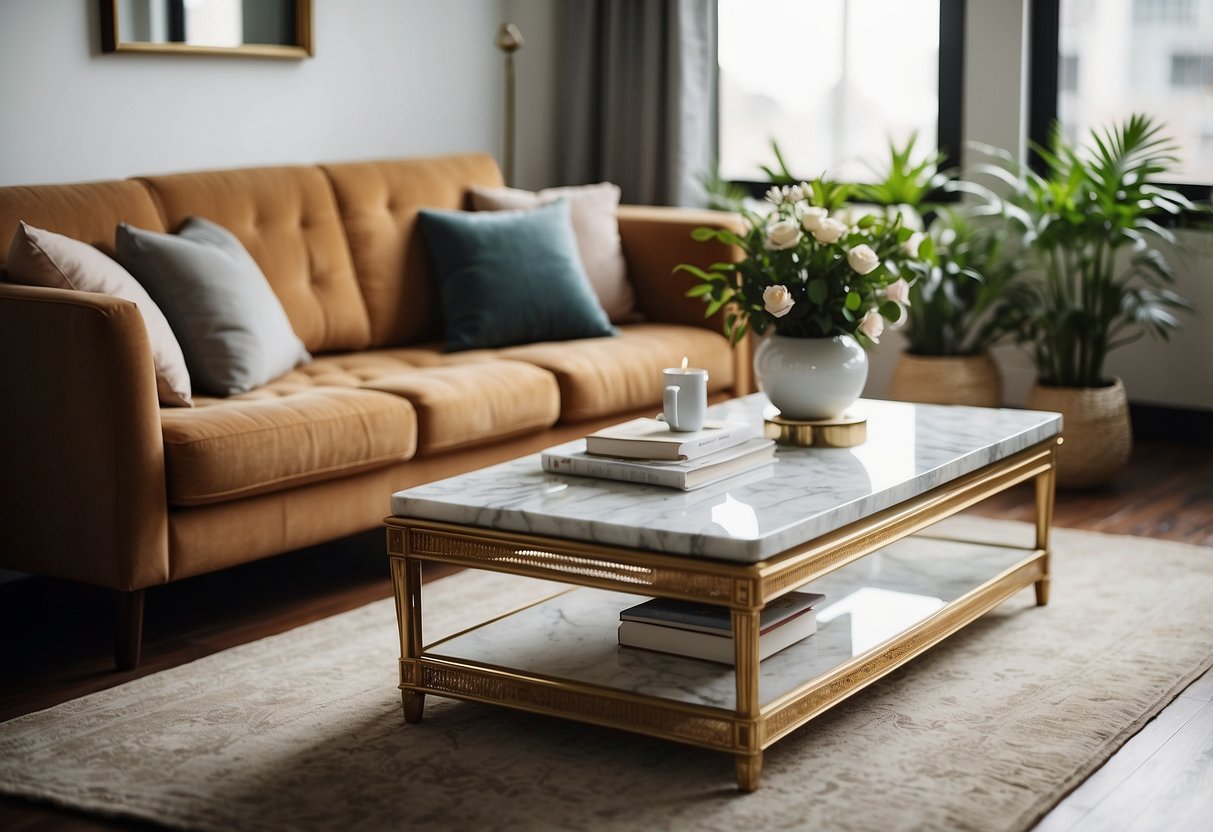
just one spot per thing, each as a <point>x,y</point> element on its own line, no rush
<point>655,240</point>
<point>82,479</point>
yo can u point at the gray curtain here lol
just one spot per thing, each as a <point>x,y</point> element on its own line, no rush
<point>638,97</point>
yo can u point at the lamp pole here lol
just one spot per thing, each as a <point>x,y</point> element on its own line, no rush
<point>509,41</point>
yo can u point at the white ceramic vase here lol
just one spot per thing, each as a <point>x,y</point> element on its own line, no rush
<point>811,378</point>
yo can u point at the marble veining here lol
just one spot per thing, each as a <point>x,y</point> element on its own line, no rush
<point>573,636</point>
<point>807,492</point>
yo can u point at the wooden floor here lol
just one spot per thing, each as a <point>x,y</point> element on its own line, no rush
<point>56,645</point>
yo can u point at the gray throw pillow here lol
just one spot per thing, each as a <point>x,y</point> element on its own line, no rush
<point>231,327</point>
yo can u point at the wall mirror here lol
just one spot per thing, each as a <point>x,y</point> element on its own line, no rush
<point>264,28</point>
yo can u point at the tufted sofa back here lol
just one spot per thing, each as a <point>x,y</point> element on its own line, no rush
<point>338,243</point>
<point>89,211</point>
<point>287,219</point>
<point>379,202</point>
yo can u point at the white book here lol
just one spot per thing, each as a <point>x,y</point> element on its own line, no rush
<point>571,458</point>
<point>653,439</point>
<point>714,648</point>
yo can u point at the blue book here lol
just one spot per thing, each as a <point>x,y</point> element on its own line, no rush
<point>708,618</point>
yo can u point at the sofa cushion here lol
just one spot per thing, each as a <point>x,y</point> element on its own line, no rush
<point>44,258</point>
<point>461,405</point>
<point>461,399</point>
<point>601,376</point>
<point>287,219</point>
<point>379,202</point>
<point>226,449</point>
<point>510,277</point>
<point>231,327</point>
<point>594,210</point>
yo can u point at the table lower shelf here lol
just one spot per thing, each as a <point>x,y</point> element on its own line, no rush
<point>561,656</point>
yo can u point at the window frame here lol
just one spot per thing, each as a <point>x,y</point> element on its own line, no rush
<point>1044,59</point>
<point>950,96</point>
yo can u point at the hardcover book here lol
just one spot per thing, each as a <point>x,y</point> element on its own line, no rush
<point>653,439</point>
<point>709,618</point>
<point>716,648</point>
<point>571,458</point>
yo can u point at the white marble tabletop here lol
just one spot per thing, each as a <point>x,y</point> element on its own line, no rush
<point>805,493</point>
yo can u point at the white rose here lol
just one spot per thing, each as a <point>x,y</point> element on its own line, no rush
<point>782,235</point>
<point>863,259</point>
<point>774,195</point>
<point>812,217</point>
<point>910,247</point>
<point>830,231</point>
<point>778,300</point>
<point>872,325</point>
<point>898,292</point>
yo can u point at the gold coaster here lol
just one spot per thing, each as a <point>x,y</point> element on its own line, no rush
<point>846,431</point>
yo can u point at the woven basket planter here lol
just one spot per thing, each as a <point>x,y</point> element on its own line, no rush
<point>1096,427</point>
<point>947,379</point>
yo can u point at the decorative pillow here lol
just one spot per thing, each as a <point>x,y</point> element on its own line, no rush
<point>232,329</point>
<point>510,277</point>
<point>594,209</point>
<point>43,258</point>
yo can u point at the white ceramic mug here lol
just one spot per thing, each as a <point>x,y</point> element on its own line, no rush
<point>686,398</point>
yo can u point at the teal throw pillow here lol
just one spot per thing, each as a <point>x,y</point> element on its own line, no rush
<point>510,277</point>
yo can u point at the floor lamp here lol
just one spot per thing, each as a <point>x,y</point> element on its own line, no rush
<point>509,41</point>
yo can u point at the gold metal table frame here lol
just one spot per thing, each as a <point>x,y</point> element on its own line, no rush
<point>743,587</point>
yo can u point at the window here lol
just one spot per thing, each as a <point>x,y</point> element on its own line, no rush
<point>1163,11</point>
<point>1191,70</point>
<point>1151,56</point>
<point>1067,80</point>
<point>833,81</point>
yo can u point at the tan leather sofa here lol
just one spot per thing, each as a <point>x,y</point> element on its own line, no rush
<point>99,484</point>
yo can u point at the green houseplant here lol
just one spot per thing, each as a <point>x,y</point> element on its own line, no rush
<point>958,311</point>
<point>810,282</point>
<point>1098,278</point>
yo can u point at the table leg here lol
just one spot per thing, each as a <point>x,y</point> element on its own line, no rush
<point>1046,486</point>
<point>745,645</point>
<point>406,578</point>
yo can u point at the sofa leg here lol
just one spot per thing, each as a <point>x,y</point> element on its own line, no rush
<point>128,629</point>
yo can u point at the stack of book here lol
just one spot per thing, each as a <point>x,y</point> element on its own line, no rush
<point>704,631</point>
<point>647,451</point>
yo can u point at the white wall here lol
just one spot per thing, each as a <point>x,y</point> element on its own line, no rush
<point>389,78</point>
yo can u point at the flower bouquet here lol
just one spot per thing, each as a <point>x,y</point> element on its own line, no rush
<point>822,280</point>
<point>813,272</point>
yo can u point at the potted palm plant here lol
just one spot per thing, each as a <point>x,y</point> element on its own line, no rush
<point>957,312</point>
<point>1098,279</point>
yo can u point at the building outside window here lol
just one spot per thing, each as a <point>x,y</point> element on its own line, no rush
<point>1118,57</point>
<point>832,81</point>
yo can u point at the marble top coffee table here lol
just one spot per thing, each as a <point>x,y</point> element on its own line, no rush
<point>827,520</point>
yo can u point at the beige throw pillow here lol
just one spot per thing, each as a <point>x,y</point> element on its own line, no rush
<point>594,210</point>
<point>44,258</point>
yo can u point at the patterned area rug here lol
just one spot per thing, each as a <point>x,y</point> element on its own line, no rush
<point>304,730</point>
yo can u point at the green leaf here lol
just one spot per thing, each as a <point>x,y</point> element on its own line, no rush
<point>817,291</point>
<point>890,311</point>
<point>853,301</point>
<point>699,290</point>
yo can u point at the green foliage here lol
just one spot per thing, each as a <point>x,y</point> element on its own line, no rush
<point>959,307</point>
<point>1098,279</point>
<point>829,297</point>
<point>904,180</point>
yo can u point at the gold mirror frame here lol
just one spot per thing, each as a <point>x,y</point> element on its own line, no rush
<point>302,48</point>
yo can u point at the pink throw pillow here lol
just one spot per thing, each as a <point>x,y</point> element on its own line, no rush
<point>44,258</point>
